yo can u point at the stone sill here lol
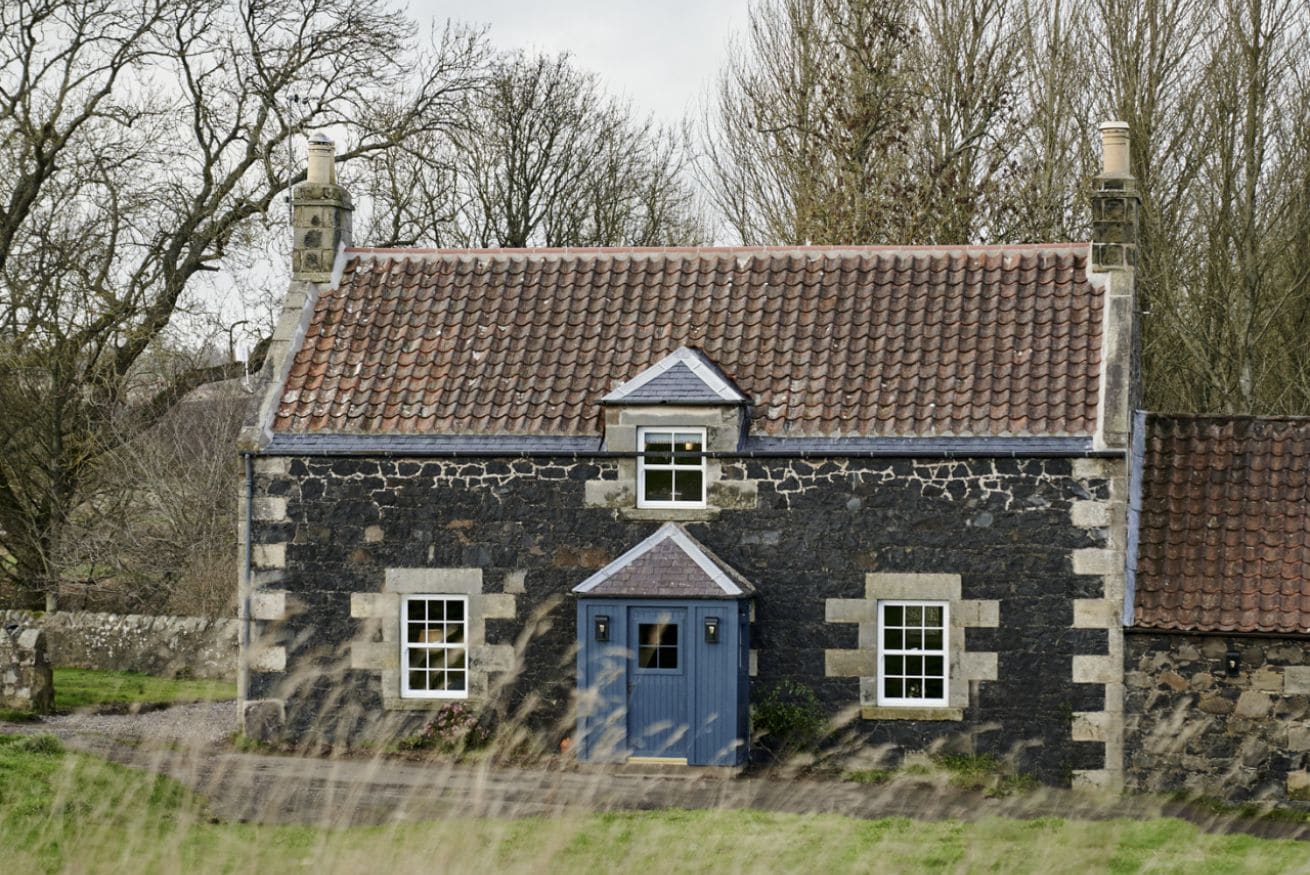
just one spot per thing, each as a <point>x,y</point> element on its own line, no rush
<point>670,514</point>
<point>393,704</point>
<point>882,713</point>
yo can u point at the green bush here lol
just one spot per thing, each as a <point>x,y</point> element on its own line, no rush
<point>789,716</point>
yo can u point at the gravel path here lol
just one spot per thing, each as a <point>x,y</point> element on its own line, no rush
<point>202,724</point>
<point>190,743</point>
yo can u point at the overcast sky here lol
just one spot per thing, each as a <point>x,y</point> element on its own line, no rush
<point>662,55</point>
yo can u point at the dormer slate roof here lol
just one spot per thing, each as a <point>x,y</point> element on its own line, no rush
<point>668,564</point>
<point>825,342</point>
<point>1224,525</point>
<point>682,377</point>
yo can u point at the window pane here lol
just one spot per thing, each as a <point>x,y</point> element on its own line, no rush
<point>647,657</point>
<point>914,665</point>
<point>687,449</point>
<point>414,632</point>
<point>455,658</point>
<point>455,680</point>
<point>658,448</point>
<point>893,688</point>
<point>914,688</point>
<point>454,634</point>
<point>933,688</point>
<point>932,666</point>
<point>893,639</point>
<point>454,610</point>
<point>914,615</point>
<point>418,680</point>
<point>415,610</point>
<point>893,665</point>
<point>914,639</point>
<point>893,615</point>
<point>932,639</point>
<point>659,485</point>
<point>932,616</point>
<point>690,486</point>
<point>668,657</point>
<point>669,635</point>
<point>648,634</point>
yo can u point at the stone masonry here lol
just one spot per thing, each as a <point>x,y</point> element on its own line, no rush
<point>26,681</point>
<point>1192,727</point>
<point>335,540</point>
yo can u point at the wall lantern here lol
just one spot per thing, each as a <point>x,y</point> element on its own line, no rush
<point>711,630</point>
<point>1232,659</point>
<point>602,627</point>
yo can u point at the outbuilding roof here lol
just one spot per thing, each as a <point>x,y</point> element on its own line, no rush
<point>825,342</point>
<point>1224,531</point>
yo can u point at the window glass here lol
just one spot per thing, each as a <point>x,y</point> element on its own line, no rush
<point>435,652</point>
<point>657,645</point>
<point>912,660</point>
<point>671,468</point>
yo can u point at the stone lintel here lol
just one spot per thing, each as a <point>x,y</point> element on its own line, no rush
<point>436,581</point>
<point>945,587</point>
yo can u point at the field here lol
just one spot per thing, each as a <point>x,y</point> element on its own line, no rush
<point>82,688</point>
<point>68,812</point>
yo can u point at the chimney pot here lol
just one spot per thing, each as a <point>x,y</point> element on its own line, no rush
<point>1114,149</point>
<point>322,160</point>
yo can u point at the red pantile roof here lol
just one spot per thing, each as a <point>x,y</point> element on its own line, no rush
<point>970,341</point>
<point>1224,536</point>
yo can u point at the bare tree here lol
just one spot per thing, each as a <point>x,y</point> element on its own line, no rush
<point>544,159</point>
<point>808,138</point>
<point>139,140</point>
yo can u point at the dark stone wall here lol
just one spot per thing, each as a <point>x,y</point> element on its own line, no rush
<point>1191,727</point>
<point>818,528</point>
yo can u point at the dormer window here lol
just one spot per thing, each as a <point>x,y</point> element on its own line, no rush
<point>671,467</point>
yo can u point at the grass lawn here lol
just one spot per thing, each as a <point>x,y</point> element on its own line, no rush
<point>81,688</point>
<point>67,812</point>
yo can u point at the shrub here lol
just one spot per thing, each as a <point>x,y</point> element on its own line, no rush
<point>455,727</point>
<point>790,716</point>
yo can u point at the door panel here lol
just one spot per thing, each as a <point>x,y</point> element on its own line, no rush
<point>657,681</point>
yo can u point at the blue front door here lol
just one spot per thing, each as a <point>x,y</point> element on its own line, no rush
<point>657,682</point>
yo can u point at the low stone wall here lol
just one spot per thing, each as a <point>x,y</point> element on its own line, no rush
<point>25,679</point>
<point>1192,727</point>
<point>200,647</point>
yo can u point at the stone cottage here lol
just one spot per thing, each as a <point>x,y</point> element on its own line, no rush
<point>617,493</point>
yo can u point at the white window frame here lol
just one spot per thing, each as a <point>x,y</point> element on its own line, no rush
<point>406,647</point>
<point>944,652</point>
<point>642,466</point>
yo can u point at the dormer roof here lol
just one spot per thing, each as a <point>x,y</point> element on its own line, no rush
<point>684,376</point>
<point>668,564</point>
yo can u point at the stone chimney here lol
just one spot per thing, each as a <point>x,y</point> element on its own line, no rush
<point>320,215</point>
<point>1115,204</point>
